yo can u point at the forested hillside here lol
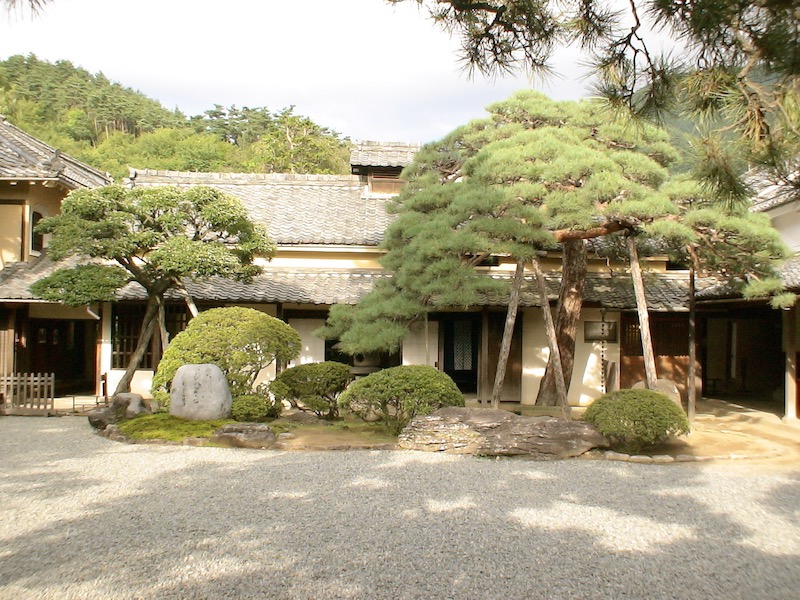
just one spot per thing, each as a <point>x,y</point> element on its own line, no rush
<point>111,127</point>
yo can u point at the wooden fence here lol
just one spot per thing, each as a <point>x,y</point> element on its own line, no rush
<point>27,393</point>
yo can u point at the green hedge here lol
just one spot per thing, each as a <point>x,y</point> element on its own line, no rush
<point>313,386</point>
<point>397,395</point>
<point>635,419</point>
<point>255,408</point>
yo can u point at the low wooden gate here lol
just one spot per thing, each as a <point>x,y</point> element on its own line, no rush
<point>27,394</point>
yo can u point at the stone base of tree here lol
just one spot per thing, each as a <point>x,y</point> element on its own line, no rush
<point>125,405</point>
<point>486,432</point>
<point>244,435</point>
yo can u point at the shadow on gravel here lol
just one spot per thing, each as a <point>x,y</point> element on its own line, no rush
<point>367,525</point>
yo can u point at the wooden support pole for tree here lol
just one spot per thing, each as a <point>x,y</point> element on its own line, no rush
<point>508,334</point>
<point>162,325</point>
<point>552,340</point>
<point>644,317</point>
<point>187,298</point>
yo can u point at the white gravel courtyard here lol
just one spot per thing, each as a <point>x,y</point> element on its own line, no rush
<point>83,517</point>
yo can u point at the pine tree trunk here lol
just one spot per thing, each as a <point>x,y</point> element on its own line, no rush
<point>644,317</point>
<point>552,341</point>
<point>149,324</point>
<point>508,334</point>
<point>568,315</point>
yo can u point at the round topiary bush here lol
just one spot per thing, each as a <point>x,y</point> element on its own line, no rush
<point>399,394</point>
<point>254,408</point>
<point>314,387</point>
<point>240,341</point>
<point>635,419</point>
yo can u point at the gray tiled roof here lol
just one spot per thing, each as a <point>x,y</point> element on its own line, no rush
<point>664,291</point>
<point>296,209</point>
<point>383,154</point>
<point>16,278</point>
<point>325,287</point>
<point>24,157</point>
<point>298,286</point>
<point>789,272</point>
<point>772,192</point>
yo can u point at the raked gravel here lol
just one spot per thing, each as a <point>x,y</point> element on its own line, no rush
<point>84,517</point>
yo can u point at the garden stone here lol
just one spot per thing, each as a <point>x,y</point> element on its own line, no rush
<point>100,418</point>
<point>200,393</point>
<point>136,405</point>
<point>303,417</point>
<point>663,386</point>
<point>244,435</point>
<point>488,432</point>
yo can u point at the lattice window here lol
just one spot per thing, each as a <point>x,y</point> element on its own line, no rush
<point>125,329</point>
<point>670,336</point>
<point>462,346</point>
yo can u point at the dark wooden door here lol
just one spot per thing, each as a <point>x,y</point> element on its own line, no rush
<point>460,341</point>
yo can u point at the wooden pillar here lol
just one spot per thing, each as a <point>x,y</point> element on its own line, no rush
<point>484,380</point>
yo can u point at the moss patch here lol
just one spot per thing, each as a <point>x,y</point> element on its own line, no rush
<point>168,427</point>
<point>341,432</point>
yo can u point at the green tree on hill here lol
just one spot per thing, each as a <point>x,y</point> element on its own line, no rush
<point>113,127</point>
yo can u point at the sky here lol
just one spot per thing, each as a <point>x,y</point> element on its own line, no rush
<point>367,69</point>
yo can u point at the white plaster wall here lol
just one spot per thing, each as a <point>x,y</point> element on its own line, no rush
<point>142,378</point>
<point>312,347</point>
<point>10,233</point>
<point>587,376</point>
<point>266,374</point>
<point>791,335</point>
<point>141,384</point>
<point>788,224</point>
<point>104,348</point>
<point>414,345</point>
<point>586,383</point>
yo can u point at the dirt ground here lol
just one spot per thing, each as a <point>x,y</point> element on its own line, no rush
<point>721,431</point>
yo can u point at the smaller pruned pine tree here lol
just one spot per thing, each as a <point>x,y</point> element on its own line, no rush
<point>156,237</point>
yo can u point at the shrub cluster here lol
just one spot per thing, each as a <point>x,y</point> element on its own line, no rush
<point>399,394</point>
<point>635,419</point>
<point>314,387</point>
<point>255,408</point>
<point>240,341</point>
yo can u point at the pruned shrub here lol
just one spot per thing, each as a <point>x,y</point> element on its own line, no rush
<point>635,419</point>
<point>240,341</point>
<point>255,408</point>
<point>161,400</point>
<point>314,387</point>
<point>399,394</point>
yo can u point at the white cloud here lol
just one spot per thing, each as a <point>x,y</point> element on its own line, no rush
<point>362,67</point>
